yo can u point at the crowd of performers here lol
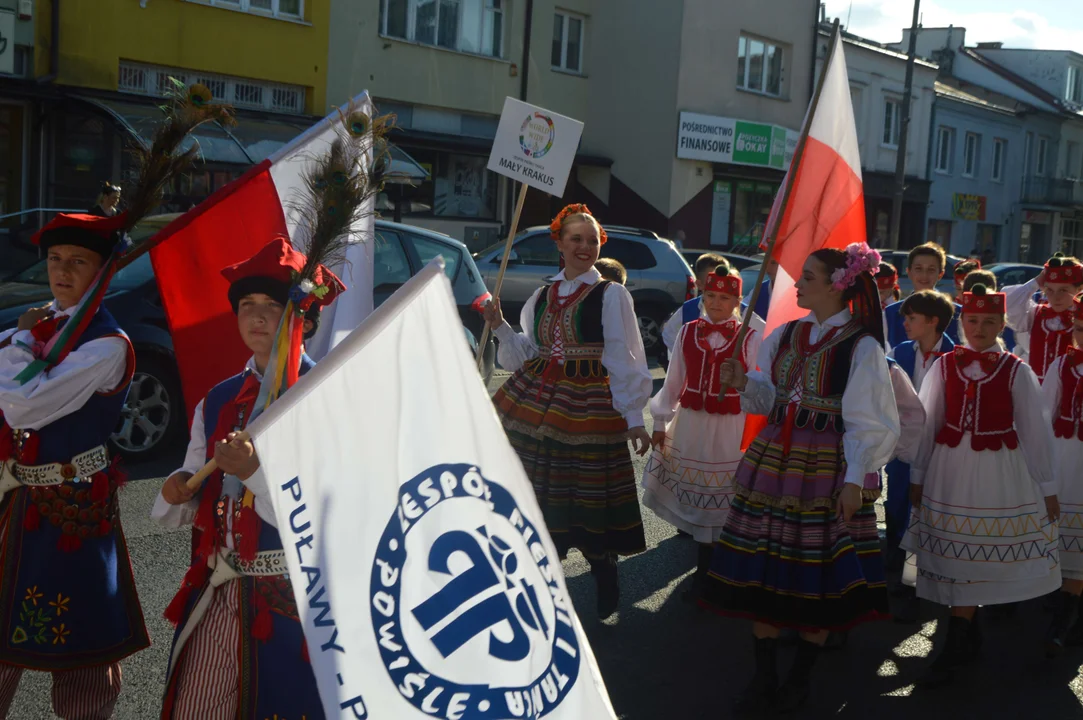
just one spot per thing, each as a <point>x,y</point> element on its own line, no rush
<point>976,445</point>
<point>967,409</point>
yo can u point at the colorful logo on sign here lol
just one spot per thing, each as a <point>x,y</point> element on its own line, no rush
<point>469,615</point>
<point>753,144</point>
<point>536,135</point>
<point>968,207</point>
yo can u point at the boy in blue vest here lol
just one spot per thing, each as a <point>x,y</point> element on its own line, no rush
<point>236,593</point>
<point>926,314</point>
<point>925,267</point>
<point>68,602</point>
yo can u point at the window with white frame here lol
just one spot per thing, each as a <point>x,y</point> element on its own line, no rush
<point>469,26</point>
<point>241,92</point>
<point>1074,91</point>
<point>759,65</point>
<point>1043,152</point>
<point>945,138</point>
<point>1071,161</point>
<point>971,150</point>
<point>892,117</point>
<point>1000,154</point>
<point>568,33</point>
<point>287,9</point>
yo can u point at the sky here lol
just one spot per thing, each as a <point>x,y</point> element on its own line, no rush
<point>1046,24</point>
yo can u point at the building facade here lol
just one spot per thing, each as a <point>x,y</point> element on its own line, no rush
<point>623,67</point>
<point>94,74</point>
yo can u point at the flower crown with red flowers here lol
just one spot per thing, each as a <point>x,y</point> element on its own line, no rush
<point>574,209</point>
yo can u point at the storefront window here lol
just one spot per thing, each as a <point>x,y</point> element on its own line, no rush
<point>751,207</point>
<point>988,243</point>
<point>459,186</point>
<point>83,158</point>
<point>940,233</point>
<point>11,160</point>
<point>1071,230</point>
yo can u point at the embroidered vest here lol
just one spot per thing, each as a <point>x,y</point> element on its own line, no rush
<point>1068,417</point>
<point>820,371</point>
<point>980,407</point>
<point>570,328</point>
<point>702,365</point>
<point>1046,345</point>
<point>93,423</point>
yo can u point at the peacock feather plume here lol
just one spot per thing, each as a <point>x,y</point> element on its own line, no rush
<point>156,165</point>
<point>337,186</point>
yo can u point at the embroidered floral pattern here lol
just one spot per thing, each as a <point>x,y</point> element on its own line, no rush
<point>39,624</point>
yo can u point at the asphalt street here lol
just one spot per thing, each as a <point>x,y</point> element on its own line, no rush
<point>661,658</point>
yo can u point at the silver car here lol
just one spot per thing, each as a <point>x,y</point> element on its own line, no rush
<point>659,279</point>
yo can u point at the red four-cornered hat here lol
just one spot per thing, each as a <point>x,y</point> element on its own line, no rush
<point>99,234</point>
<point>274,271</point>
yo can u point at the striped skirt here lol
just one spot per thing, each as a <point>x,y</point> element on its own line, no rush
<point>573,447</point>
<point>785,556</point>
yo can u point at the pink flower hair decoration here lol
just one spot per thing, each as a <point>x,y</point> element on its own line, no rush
<point>860,258</point>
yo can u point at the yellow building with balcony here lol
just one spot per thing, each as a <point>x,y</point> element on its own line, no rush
<point>88,77</point>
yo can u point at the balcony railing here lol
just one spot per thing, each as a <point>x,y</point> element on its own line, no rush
<point>1052,191</point>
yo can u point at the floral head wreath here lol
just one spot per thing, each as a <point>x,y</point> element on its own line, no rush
<point>574,209</point>
<point>860,258</point>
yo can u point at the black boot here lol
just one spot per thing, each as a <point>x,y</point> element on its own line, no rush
<point>1064,615</point>
<point>605,577</point>
<point>699,578</point>
<point>957,650</point>
<point>795,690</point>
<point>758,695</point>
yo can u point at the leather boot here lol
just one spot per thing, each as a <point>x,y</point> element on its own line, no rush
<point>608,584</point>
<point>699,578</point>
<point>795,690</point>
<point>955,652</point>
<point>758,696</point>
<point>1064,616</point>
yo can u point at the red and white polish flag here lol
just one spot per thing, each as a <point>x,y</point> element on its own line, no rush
<point>232,225</point>
<point>826,207</point>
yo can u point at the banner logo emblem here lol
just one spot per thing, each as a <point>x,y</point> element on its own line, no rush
<point>470,619</point>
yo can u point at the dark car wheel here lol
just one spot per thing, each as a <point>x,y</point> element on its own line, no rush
<point>153,417</point>
<point>651,321</point>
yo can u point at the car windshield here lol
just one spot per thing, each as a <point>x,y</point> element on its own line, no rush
<point>126,278</point>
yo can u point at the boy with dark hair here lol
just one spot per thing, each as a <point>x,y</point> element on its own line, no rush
<point>925,267</point>
<point>963,268</point>
<point>612,270</point>
<point>926,314</point>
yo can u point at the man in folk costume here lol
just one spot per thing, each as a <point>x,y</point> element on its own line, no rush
<point>68,602</point>
<point>239,651</point>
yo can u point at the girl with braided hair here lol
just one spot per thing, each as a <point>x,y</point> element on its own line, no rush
<point>576,398</point>
<point>800,548</point>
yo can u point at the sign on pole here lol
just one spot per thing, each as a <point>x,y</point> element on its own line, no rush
<point>535,146</point>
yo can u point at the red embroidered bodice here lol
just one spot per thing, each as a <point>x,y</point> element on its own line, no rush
<point>981,407</point>
<point>703,363</point>
<point>1047,345</point>
<point>1068,415</point>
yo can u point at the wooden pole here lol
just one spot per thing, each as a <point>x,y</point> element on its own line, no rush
<point>204,472</point>
<point>503,267</point>
<point>776,218</point>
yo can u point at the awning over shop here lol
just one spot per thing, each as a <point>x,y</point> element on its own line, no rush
<point>250,141</point>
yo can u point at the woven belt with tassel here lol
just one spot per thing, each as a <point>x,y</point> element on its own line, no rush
<point>82,468</point>
<point>266,563</point>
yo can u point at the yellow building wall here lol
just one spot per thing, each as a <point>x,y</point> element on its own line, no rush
<point>95,35</point>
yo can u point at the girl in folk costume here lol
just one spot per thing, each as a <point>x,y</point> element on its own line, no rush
<point>68,601</point>
<point>985,502</point>
<point>1062,390</point>
<point>697,437</point>
<point>1049,323</point>
<point>887,284</point>
<point>239,650</point>
<point>800,548</point>
<point>576,397</point>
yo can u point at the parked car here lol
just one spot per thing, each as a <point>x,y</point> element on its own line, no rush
<point>659,279</point>
<point>154,415</point>
<point>1013,273</point>
<point>740,262</point>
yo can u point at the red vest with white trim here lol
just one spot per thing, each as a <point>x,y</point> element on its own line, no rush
<point>702,365</point>
<point>981,407</point>
<point>1047,345</point>
<point>1068,420</point>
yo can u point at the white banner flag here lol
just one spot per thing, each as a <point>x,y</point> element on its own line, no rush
<point>425,578</point>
